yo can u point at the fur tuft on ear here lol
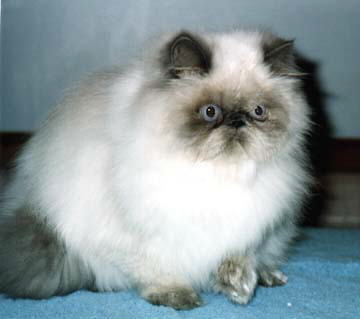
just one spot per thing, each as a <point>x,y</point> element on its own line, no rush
<point>279,55</point>
<point>186,54</point>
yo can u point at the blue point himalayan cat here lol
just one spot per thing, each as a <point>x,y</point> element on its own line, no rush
<point>182,173</point>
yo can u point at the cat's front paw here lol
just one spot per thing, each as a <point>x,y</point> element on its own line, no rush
<point>179,298</point>
<point>274,278</point>
<point>237,279</point>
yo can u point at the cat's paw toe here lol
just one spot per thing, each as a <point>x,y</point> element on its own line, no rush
<point>239,296</point>
<point>237,280</point>
<point>178,298</point>
<point>272,278</point>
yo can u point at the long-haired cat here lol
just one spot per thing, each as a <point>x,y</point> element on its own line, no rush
<point>182,173</point>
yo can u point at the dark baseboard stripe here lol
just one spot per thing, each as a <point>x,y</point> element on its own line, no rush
<point>343,155</point>
<point>10,145</point>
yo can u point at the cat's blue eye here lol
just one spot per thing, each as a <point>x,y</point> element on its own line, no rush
<point>259,113</point>
<point>211,113</point>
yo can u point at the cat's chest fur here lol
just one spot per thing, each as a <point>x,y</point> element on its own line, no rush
<point>196,214</point>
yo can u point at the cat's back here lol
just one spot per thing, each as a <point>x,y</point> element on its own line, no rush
<point>73,142</point>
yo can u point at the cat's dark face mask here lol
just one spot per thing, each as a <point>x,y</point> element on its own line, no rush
<point>230,116</point>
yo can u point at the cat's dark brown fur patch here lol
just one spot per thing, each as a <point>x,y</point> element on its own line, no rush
<point>179,298</point>
<point>279,55</point>
<point>34,262</point>
<point>195,132</point>
<point>186,53</point>
<point>236,277</point>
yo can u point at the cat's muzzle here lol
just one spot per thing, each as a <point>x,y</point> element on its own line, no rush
<point>235,119</point>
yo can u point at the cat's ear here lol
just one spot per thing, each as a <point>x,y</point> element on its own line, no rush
<point>279,55</point>
<point>186,54</point>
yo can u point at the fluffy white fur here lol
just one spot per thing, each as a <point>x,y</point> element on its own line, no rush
<point>107,174</point>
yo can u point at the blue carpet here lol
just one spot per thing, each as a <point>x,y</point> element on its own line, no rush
<point>324,282</point>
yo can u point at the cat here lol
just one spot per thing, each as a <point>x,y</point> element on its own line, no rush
<point>184,172</point>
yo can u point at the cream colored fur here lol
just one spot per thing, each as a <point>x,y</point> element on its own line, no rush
<point>108,174</point>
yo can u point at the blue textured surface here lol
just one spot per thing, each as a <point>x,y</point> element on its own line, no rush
<point>324,282</point>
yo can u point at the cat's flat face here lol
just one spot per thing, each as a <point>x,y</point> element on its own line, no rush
<point>218,120</point>
<point>223,99</point>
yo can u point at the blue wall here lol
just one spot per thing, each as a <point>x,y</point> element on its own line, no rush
<point>47,45</point>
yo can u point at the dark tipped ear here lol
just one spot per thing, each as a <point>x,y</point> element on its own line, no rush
<point>186,54</point>
<point>279,55</point>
